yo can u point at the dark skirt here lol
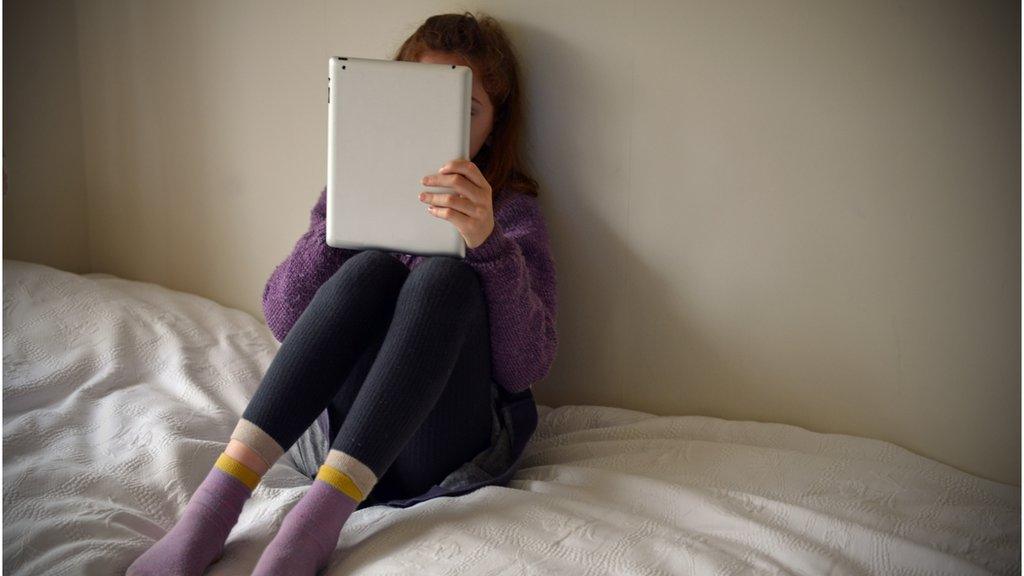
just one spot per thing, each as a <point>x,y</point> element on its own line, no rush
<point>514,417</point>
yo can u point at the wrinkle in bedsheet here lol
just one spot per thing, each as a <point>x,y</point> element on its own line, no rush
<point>119,396</point>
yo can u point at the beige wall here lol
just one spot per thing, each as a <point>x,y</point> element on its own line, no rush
<point>791,211</point>
<point>44,216</point>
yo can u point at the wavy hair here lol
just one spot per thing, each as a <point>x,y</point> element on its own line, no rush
<point>484,45</point>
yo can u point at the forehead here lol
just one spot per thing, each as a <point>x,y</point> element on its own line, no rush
<point>436,57</point>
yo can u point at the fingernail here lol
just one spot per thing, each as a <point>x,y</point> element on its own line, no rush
<point>422,195</point>
<point>424,180</point>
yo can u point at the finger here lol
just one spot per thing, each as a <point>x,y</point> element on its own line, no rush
<point>457,182</point>
<point>454,200</point>
<point>457,218</point>
<point>468,169</point>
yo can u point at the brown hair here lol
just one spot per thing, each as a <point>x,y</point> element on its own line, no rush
<point>483,44</point>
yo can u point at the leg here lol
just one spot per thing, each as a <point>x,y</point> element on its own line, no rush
<point>439,308</point>
<point>300,381</point>
<point>344,396</point>
<point>342,401</point>
<point>325,341</point>
<point>457,428</point>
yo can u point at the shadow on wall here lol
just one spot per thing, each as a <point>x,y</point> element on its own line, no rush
<point>624,317</point>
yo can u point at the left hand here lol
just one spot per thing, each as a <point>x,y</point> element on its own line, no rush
<point>469,208</point>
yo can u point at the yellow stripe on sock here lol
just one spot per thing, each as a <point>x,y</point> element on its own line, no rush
<point>238,470</point>
<point>339,480</point>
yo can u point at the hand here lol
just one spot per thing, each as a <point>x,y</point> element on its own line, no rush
<point>469,208</point>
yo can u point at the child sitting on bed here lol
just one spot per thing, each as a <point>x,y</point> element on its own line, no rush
<point>397,348</point>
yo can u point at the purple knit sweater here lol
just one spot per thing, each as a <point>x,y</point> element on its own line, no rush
<point>514,264</point>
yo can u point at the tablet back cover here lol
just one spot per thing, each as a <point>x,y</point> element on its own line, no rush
<point>389,124</point>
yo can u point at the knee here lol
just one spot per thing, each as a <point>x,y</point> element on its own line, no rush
<point>371,268</point>
<point>445,269</point>
<point>372,258</point>
<point>444,277</point>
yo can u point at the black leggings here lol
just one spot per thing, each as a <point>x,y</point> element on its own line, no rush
<point>401,360</point>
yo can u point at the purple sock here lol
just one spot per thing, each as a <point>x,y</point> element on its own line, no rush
<point>197,540</point>
<point>308,533</point>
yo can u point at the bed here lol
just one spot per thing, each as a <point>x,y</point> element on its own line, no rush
<point>119,395</point>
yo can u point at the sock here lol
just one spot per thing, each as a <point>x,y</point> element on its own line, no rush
<point>197,539</point>
<point>309,532</point>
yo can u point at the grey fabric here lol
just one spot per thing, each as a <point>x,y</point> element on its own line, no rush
<point>310,450</point>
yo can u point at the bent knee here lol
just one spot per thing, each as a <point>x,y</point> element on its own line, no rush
<point>372,257</point>
<point>367,267</point>
<point>445,274</point>
<point>447,267</point>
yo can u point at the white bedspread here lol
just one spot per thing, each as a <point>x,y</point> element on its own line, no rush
<point>119,396</point>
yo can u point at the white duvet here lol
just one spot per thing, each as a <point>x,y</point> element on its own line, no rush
<point>119,395</point>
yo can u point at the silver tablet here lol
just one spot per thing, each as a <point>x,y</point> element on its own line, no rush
<point>389,124</point>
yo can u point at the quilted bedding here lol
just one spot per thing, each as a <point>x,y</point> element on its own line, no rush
<point>119,395</point>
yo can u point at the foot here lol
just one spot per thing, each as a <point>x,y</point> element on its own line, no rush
<point>308,534</point>
<point>197,539</point>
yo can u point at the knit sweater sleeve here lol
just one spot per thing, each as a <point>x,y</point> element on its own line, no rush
<point>519,280</point>
<point>294,282</point>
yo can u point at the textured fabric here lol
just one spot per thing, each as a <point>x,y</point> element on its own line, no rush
<point>426,395</point>
<point>197,538</point>
<point>515,266</point>
<point>255,439</point>
<point>346,395</point>
<point>342,482</point>
<point>510,418</point>
<point>423,409</point>
<point>514,420</point>
<point>324,344</point>
<point>312,448</point>
<point>308,535</point>
<point>245,475</point>
<point>119,395</point>
<point>359,473</point>
<point>418,403</point>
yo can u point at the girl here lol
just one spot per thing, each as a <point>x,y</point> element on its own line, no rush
<point>407,376</point>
